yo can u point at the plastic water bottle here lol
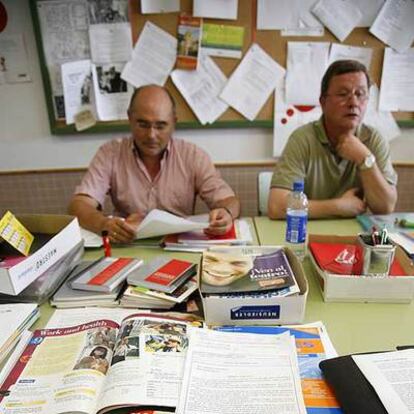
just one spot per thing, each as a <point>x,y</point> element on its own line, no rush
<point>297,220</point>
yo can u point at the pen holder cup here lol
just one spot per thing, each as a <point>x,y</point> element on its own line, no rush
<point>376,259</point>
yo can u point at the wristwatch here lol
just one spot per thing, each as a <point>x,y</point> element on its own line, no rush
<point>368,162</point>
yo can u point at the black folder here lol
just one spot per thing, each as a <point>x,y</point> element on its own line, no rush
<point>352,390</point>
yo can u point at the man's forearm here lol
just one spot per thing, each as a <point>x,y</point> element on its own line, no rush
<point>323,208</point>
<point>380,196</point>
<point>231,204</point>
<point>89,217</point>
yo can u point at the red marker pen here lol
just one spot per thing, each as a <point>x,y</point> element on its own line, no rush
<point>106,243</point>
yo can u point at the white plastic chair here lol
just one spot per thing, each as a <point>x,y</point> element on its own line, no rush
<point>263,187</point>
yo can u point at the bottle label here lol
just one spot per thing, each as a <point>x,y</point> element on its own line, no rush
<point>296,228</point>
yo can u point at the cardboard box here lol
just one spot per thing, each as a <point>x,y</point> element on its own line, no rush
<point>220,310</point>
<point>55,237</point>
<point>351,288</point>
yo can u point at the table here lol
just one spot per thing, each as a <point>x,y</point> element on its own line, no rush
<point>353,327</point>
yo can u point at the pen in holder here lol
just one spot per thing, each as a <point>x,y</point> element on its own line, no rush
<point>377,254</point>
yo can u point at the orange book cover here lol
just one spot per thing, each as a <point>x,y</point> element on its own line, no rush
<point>189,37</point>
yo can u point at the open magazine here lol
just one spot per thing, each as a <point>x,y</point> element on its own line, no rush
<point>99,366</point>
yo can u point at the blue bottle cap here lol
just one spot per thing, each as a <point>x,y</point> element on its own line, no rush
<point>298,185</point>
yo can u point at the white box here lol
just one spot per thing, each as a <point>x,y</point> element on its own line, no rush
<point>351,288</point>
<point>251,311</point>
<point>67,235</point>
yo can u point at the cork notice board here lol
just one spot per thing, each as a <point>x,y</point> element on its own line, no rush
<point>270,40</point>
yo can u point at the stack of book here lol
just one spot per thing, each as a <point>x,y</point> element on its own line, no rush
<point>14,319</point>
<point>95,283</point>
<point>198,241</point>
<point>253,272</point>
<point>160,284</point>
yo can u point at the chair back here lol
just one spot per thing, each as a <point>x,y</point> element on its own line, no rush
<point>263,186</point>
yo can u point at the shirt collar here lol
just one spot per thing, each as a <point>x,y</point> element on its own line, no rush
<point>134,148</point>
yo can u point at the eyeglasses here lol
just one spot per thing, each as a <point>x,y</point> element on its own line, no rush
<point>343,96</point>
<point>158,125</point>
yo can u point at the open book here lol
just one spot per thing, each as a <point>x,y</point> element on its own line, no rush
<point>99,366</point>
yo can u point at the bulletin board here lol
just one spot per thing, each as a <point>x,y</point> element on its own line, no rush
<point>270,40</point>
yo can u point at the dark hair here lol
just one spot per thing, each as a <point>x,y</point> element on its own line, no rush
<point>99,348</point>
<point>341,67</point>
<point>141,88</point>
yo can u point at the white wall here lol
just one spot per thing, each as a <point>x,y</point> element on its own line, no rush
<point>26,142</point>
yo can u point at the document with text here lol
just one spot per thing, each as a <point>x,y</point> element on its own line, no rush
<point>392,376</point>
<point>252,82</point>
<point>394,24</point>
<point>339,16</point>
<point>244,373</point>
<point>153,57</point>
<point>306,64</point>
<point>397,86</point>
<point>201,87</point>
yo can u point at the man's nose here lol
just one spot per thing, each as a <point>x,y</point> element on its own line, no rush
<point>152,132</point>
<point>353,99</point>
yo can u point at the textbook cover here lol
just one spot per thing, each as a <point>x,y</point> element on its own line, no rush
<point>163,274</point>
<point>229,272</point>
<point>189,38</point>
<point>105,274</point>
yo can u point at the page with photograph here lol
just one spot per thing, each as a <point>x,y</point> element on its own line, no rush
<point>97,366</point>
<point>60,370</point>
<point>148,362</point>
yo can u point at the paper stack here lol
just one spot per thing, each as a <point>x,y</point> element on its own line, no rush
<point>198,241</point>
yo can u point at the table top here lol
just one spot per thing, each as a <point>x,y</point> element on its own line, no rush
<point>353,327</point>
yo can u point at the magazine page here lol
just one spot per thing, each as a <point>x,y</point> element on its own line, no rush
<point>62,318</point>
<point>148,361</point>
<point>60,370</point>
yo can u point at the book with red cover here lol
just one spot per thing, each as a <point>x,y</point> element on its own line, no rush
<point>195,237</point>
<point>344,259</point>
<point>163,274</point>
<point>239,234</point>
<point>105,274</point>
